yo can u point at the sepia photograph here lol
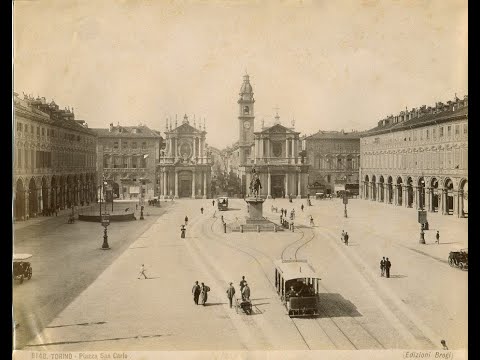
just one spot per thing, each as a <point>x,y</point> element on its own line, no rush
<point>240,179</point>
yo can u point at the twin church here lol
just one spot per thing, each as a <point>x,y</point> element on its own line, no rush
<point>273,152</point>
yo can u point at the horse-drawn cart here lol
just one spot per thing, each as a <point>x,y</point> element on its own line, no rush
<point>21,268</point>
<point>245,305</point>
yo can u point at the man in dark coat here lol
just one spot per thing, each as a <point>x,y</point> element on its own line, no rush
<point>388,265</point>
<point>437,236</point>
<point>242,283</point>
<point>346,238</point>
<point>230,293</point>
<point>196,292</point>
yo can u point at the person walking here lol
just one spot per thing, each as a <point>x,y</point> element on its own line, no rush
<point>186,220</point>
<point>142,272</point>
<point>382,267</point>
<point>346,238</point>
<point>201,210</point>
<point>301,207</point>
<point>196,292</point>
<point>213,202</point>
<point>242,283</point>
<point>388,265</point>
<point>444,344</point>
<point>311,220</point>
<point>437,236</point>
<point>183,230</point>
<point>230,293</point>
<point>343,235</point>
<point>204,289</point>
<point>293,213</point>
<point>246,292</point>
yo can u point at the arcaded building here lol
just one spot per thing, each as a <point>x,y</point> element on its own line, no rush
<point>419,159</point>
<point>127,158</point>
<point>184,170</point>
<point>54,158</point>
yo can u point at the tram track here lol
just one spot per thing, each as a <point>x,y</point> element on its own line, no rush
<point>299,325</point>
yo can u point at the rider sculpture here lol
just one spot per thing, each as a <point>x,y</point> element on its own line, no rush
<point>255,184</point>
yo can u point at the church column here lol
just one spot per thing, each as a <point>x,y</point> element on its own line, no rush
<point>286,149</point>
<point>292,142</point>
<point>247,183</point>
<point>405,196</point>
<point>428,199</point>
<point>460,204</point>
<point>26,196</point>
<point>261,149</point>
<point>176,184</point>
<point>193,184</point>
<point>40,201</point>
<point>194,147</point>
<point>269,187</point>
<point>205,185</point>
<point>286,185</point>
<point>299,185</point>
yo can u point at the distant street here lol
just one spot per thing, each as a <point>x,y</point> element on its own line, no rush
<point>423,302</point>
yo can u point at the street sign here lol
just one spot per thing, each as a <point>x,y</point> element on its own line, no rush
<point>345,200</point>
<point>422,216</point>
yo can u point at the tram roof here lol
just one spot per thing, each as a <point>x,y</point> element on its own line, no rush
<point>296,269</point>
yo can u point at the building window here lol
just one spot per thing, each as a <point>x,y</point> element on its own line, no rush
<point>19,127</point>
<point>124,144</point>
<point>457,129</point>
<point>441,131</point>
<point>115,144</point>
<point>144,145</point>
<point>434,133</point>
<point>428,134</point>
<point>465,129</point>
<point>134,145</point>
<point>43,131</point>
<point>328,178</point>
<point>449,131</point>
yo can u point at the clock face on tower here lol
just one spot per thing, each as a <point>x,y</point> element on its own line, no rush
<point>246,125</point>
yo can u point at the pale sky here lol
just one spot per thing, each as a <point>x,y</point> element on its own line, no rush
<point>331,65</point>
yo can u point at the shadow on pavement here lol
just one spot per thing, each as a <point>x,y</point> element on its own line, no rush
<point>214,304</point>
<point>335,305</point>
<point>397,276</point>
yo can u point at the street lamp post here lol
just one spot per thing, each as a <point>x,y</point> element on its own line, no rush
<point>105,223</point>
<point>345,202</point>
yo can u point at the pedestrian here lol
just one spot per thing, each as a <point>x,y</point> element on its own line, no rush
<point>246,292</point>
<point>213,202</point>
<point>230,293</point>
<point>186,220</point>
<point>221,217</point>
<point>196,292</point>
<point>293,213</point>
<point>444,345</point>
<point>142,272</point>
<point>437,236</point>
<point>382,267</point>
<point>204,289</point>
<point>311,220</point>
<point>183,231</point>
<point>281,218</point>
<point>242,283</point>
<point>293,227</point>
<point>388,265</point>
<point>301,207</point>
<point>201,210</point>
<point>343,235</point>
<point>346,238</point>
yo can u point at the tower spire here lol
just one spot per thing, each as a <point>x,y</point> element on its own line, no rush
<point>175,120</point>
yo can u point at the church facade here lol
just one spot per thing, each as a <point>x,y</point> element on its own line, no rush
<point>273,153</point>
<point>184,169</point>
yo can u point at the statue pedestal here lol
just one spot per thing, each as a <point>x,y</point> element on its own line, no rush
<point>255,221</point>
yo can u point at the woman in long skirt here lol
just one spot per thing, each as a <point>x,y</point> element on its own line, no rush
<point>204,289</point>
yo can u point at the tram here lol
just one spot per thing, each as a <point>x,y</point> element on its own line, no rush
<point>222,203</point>
<point>297,284</point>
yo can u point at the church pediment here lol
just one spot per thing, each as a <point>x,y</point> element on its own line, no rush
<point>186,129</point>
<point>277,129</point>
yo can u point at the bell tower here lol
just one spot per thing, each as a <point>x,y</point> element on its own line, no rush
<point>246,119</point>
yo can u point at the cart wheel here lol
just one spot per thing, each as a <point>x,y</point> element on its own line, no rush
<point>460,265</point>
<point>21,279</point>
<point>29,273</point>
<point>450,262</point>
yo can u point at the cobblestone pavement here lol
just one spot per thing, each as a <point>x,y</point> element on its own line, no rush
<point>423,302</point>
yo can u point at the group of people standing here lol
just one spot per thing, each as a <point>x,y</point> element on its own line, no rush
<point>385,266</point>
<point>200,293</point>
